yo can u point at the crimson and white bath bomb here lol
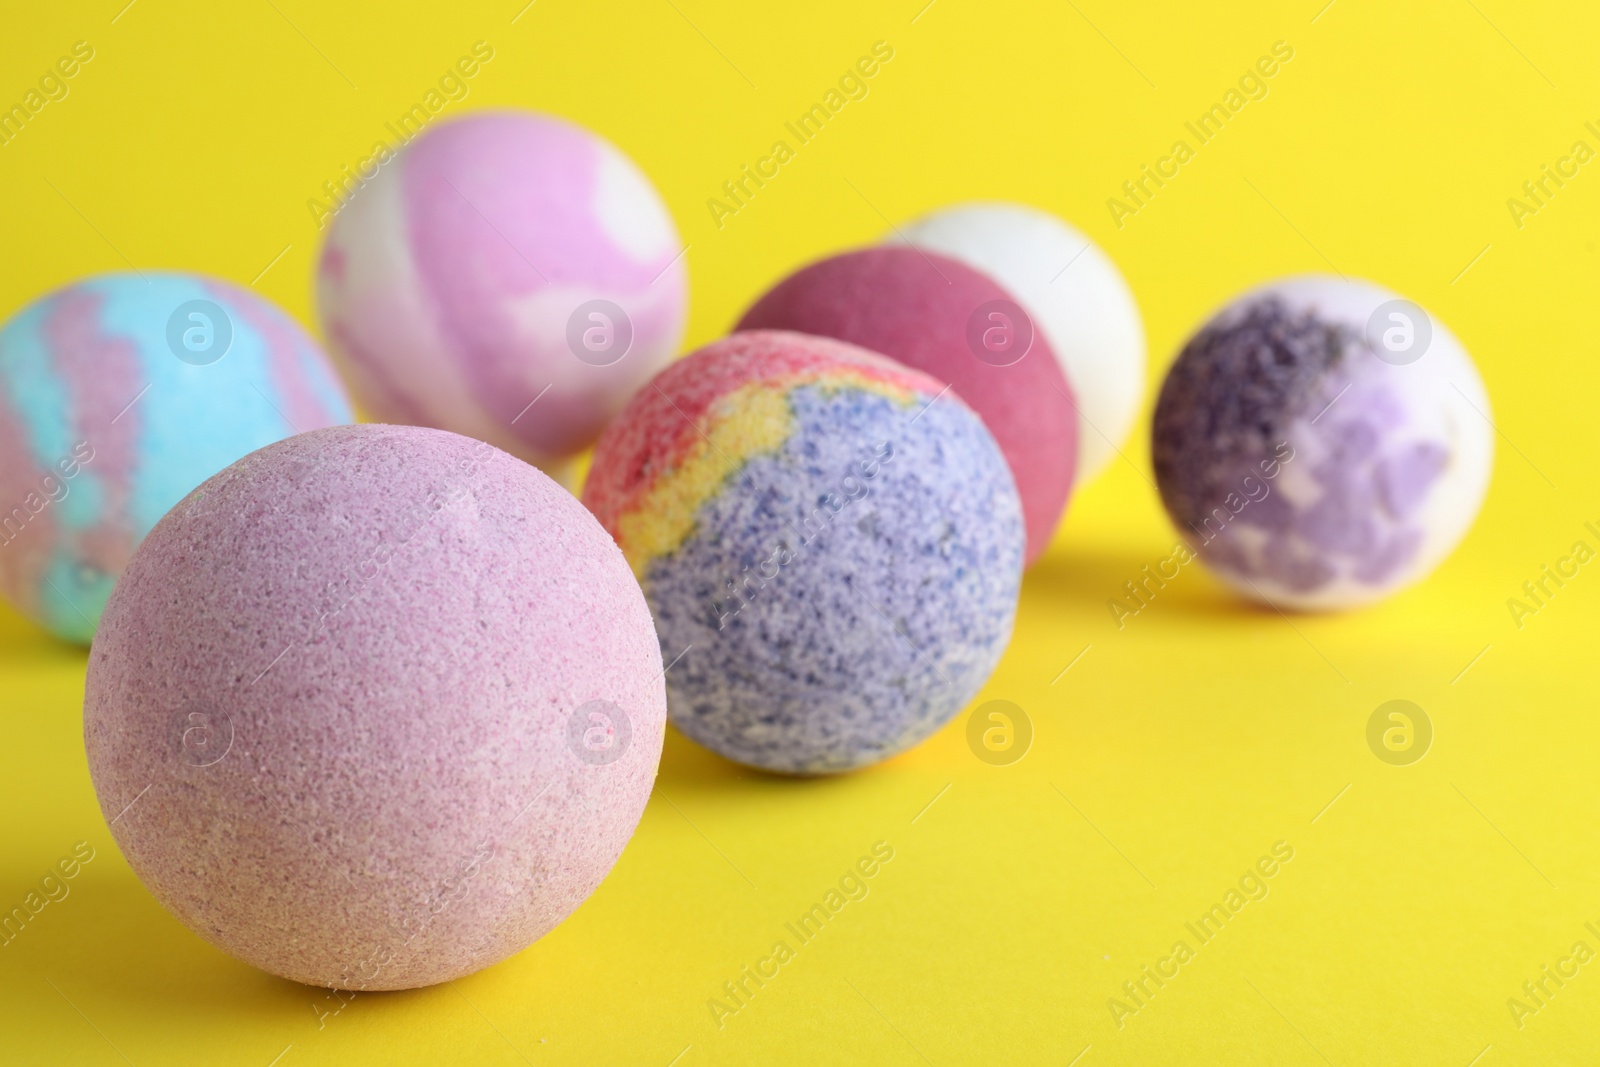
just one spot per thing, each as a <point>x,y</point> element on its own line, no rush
<point>1322,443</point>
<point>375,707</point>
<point>958,325</point>
<point>496,257</point>
<point>1075,295</point>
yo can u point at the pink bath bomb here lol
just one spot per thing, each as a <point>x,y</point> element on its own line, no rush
<point>501,260</point>
<point>947,320</point>
<point>375,707</point>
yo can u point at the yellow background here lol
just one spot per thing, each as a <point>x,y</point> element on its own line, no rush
<point>1175,752</point>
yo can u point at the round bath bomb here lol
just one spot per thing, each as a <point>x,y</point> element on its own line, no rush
<point>949,321</point>
<point>375,707</point>
<point>1322,443</point>
<point>118,395</point>
<point>508,276</point>
<point>830,543</point>
<point>1075,296</point>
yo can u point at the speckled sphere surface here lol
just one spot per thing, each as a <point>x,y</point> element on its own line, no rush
<point>1076,296</point>
<point>1322,443</point>
<point>830,548</point>
<point>375,707</point>
<point>947,320</point>
<point>118,395</point>
<point>503,260</point>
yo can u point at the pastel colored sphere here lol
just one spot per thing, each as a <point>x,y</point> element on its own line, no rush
<point>1322,443</point>
<point>830,543</point>
<point>947,320</point>
<point>503,260</point>
<point>118,395</point>
<point>1075,295</point>
<point>375,707</point>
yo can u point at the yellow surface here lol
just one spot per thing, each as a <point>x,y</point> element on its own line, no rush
<point>1171,756</point>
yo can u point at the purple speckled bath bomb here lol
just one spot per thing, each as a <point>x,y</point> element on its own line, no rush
<point>375,707</point>
<point>509,276</point>
<point>830,542</point>
<point>1322,443</point>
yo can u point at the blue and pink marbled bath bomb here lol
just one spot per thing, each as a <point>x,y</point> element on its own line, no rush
<point>831,545</point>
<point>118,395</point>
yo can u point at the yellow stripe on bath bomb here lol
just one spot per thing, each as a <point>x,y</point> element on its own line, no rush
<point>752,420</point>
<point>749,421</point>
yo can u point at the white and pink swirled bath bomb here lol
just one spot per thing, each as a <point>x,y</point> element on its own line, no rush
<point>374,707</point>
<point>508,276</point>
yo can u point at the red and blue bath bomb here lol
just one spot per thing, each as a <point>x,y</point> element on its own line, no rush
<point>1322,443</point>
<point>949,321</point>
<point>375,707</point>
<point>118,395</point>
<point>830,543</point>
<point>508,276</point>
